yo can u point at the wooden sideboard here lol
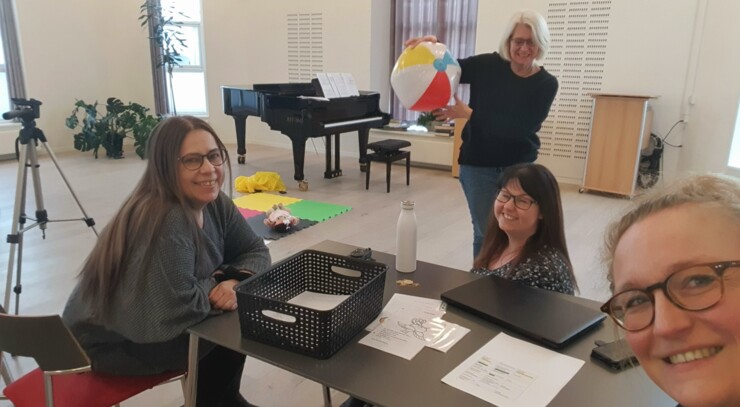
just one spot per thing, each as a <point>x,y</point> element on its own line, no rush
<point>620,127</point>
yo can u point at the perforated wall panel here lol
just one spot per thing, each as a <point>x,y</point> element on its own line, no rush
<point>578,47</point>
<point>305,46</point>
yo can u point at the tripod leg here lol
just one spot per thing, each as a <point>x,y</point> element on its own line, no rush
<point>14,237</point>
<point>42,218</point>
<point>88,220</point>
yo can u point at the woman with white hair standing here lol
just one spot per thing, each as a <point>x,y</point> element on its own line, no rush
<point>510,96</point>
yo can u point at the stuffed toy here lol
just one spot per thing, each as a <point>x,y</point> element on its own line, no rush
<point>279,219</point>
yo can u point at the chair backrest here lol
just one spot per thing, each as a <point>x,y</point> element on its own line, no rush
<point>45,339</point>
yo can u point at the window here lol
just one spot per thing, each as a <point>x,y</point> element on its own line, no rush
<point>734,161</point>
<point>4,94</point>
<point>188,87</point>
<point>453,22</point>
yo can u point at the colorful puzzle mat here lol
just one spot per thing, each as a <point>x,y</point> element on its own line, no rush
<point>254,206</point>
<point>257,223</point>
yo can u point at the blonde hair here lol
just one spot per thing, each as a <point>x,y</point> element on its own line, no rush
<point>540,33</point>
<point>716,190</point>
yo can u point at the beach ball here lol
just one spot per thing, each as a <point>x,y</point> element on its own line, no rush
<point>425,77</point>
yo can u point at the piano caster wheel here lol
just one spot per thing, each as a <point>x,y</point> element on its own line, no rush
<point>240,159</point>
<point>303,186</point>
<point>581,190</point>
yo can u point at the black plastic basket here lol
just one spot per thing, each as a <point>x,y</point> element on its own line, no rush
<point>312,332</point>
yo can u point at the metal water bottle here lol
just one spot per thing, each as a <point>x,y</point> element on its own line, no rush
<point>406,238</point>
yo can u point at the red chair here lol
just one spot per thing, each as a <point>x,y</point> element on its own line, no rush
<point>64,376</point>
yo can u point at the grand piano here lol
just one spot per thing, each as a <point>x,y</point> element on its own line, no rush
<point>289,108</point>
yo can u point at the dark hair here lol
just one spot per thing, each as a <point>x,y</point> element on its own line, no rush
<point>142,213</point>
<point>539,183</point>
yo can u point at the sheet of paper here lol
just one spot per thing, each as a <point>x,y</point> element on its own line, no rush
<point>403,304</point>
<point>509,372</point>
<point>317,301</point>
<point>449,334</point>
<point>402,338</point>
<point>350,85</point>
<point>321,98</point>
<point>308,299</point>
<point>337,82</point>
<point>326,86</point>
<point>408,323</point>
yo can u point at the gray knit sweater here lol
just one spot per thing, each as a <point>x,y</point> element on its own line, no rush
<point>156,303</point>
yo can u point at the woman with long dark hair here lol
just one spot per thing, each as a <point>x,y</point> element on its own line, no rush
<point>525,238</point>
<point>170,257</point>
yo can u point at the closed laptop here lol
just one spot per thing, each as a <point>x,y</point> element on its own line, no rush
<point>548,317</point>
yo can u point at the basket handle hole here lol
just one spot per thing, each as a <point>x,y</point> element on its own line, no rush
<point>279,316</point>
<point>346,272</point>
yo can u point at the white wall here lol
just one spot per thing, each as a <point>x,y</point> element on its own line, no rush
<point>246,43</point>
<point>711,120</point>
<point>81,49</point>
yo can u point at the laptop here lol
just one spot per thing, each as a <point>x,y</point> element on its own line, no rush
<point>547,317</point>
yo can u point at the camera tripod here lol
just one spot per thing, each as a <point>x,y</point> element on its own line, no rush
<point>28,139</point>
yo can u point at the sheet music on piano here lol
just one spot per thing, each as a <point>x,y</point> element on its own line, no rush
<point>337,85</point>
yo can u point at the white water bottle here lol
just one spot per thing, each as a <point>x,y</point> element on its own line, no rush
<point>406,239</point>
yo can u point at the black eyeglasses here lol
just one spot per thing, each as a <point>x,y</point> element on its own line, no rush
<point>522,202</point>
<point>695,288</point>
<point>194,161</point>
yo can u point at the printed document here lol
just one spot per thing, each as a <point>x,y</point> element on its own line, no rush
<point>509,372</point>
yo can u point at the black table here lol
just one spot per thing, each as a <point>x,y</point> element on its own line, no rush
<point>387,380</point>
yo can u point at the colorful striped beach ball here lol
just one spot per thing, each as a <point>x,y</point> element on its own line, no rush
<point>425,77</point>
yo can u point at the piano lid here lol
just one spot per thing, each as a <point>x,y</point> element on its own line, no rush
<point>280,89</point>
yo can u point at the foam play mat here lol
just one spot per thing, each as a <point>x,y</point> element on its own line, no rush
<point>254,206</point>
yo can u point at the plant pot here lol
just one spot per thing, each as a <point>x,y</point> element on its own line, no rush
<point>114,146</point>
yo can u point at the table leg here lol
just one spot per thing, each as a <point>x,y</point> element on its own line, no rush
<point>327,396</point>
<point>192,379</point>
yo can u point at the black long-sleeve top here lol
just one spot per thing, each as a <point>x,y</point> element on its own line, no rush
<point>508,111</point>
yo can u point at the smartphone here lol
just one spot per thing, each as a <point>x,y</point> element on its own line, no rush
<point>615,355</point>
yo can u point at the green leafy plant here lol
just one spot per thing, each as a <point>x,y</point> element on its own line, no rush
<point>427,120</point>
<point>166,34</point>
<point>107,130</point>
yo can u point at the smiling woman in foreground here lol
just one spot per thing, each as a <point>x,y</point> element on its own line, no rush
<point>674,264</point>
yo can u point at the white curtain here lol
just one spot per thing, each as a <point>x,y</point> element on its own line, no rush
<point>453,22</point>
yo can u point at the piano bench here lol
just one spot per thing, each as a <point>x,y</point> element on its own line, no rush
<point>387,151</point>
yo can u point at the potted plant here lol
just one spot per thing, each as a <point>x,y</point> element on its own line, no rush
<point>427,120</point>
<point>110,128</point>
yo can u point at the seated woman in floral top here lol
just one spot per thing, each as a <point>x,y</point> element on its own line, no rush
<point>525,239</point>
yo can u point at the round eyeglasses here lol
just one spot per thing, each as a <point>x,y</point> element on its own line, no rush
<point>522,202</point>
<point>194,161</point>
<point>695,288</point>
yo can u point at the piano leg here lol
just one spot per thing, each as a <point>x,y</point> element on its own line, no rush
<point>241,130</point>
<point>363,136</point>
<point>336,172</point>
<point>299,151</point>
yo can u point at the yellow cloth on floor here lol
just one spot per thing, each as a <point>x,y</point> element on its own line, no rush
<point>260,181</point>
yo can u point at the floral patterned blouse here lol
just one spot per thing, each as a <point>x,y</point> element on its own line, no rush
<point>545,269</point>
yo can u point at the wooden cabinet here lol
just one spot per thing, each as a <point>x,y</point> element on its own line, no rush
<point>620,127</point>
